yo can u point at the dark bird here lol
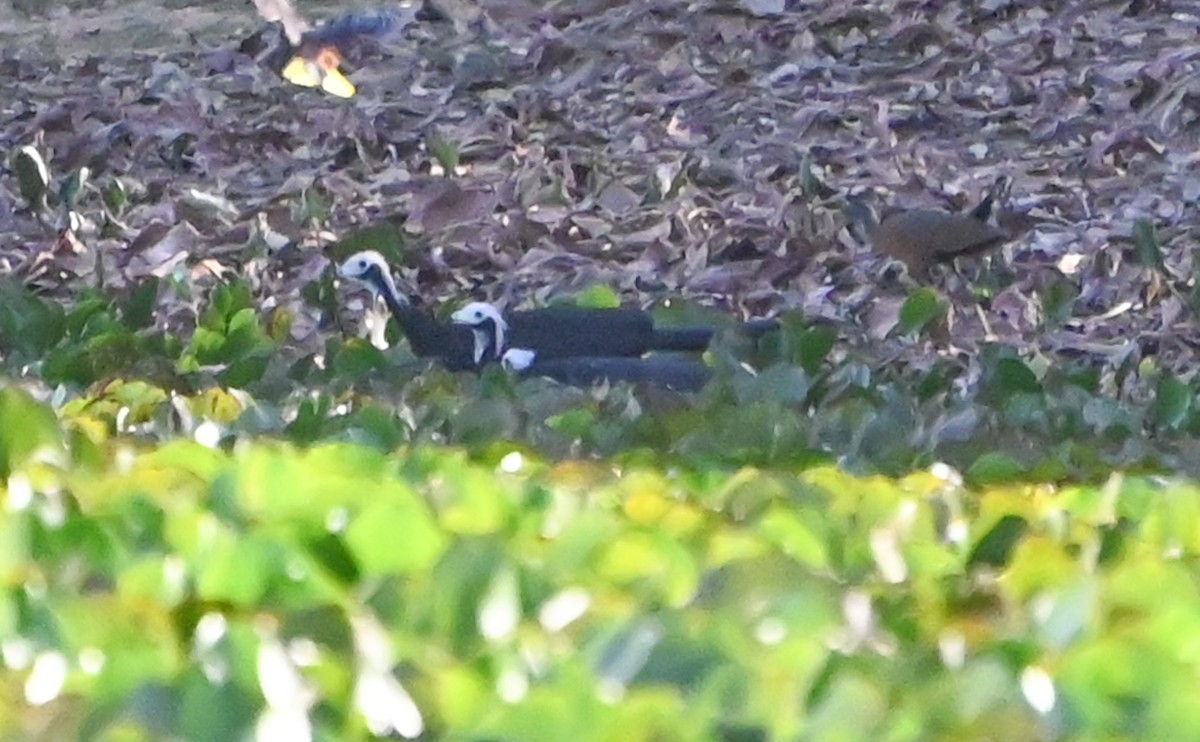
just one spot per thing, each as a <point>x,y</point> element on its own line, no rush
<point>429,337</point>
<point>479,333</point>
<point>557,332</point>
<point>312,57</point>
<point>922,238</point>
<point>672,372</point>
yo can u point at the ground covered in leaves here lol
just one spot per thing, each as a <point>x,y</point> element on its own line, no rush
<point>294,531</point>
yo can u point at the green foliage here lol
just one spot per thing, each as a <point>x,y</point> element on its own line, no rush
<point>598,295</point>
<point>195,593</point>
<point>1172,402</point>
<point>28,326</point>
<point>445,151</point>
<point>115,197</point>
<point>1149,251</point>
<point>201,532</point>
<point>71,187</point>
<point>383,237</point>
<point>230,339</point>
<point>96,339</point>
<point>921,308</point>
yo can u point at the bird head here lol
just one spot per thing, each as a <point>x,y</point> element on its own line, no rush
<point>486,323</point>
<point>370,268</point>
<point>860,215</point>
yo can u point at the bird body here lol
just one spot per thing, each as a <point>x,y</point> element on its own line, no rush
<point>479,333</point>
<point>559,332</point>
<point>922,238</point>
<point>680,374</point>
<point>311,57</point>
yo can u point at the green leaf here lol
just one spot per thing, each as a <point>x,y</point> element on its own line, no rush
<point>395,533</point>
<point>330,552</point>
<point>996,546</point>
<point>1149,251</point>
<point>310,420</point>
<point>137,312</point>
<point>26,426</point>
<point>244,371</point>
<point>472,502</point>
<point>237,568</point>
<point>851,711</point>
<point>72,186</point>
<point>227,300</point>
<point>598,295</point>
<point>379,427</point>
<point>29,326</point>
<point>794,536</point>
<point>1058,301</point>
<point>16,558</point>
<point>995,468</point>
<point>575,423</point>
<point>444,151</point>
<point>115,197</point>
<point>207,345</point>
<point>216,710</point>
<point>383,237</point>
<point>922,307</point>
<point>814,346</point>
<point>1173,401</point>
<point>358,360</point>
<point>1013,376</point>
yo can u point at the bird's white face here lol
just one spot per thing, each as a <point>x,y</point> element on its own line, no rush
<point>475,315</point>
<point>357,265</point>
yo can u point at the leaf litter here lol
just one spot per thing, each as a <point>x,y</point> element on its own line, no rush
<point>699,149</point>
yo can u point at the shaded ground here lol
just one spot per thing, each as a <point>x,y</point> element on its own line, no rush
<point>660,148</point>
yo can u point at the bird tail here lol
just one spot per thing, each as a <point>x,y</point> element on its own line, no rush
<point>998,191</point>
<point>756,328</point>
<point>695,339</point>
<point>347,29</point>
<point>680,374</point>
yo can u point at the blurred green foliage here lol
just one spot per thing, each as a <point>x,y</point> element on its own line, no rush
<point>193,592</point>
<point>207,536</point>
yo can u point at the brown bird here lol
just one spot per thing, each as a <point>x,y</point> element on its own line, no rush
<point>922,238</point>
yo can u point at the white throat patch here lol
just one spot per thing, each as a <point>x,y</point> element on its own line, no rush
<point>518,359</point>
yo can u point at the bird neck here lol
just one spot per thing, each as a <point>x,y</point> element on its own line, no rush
<point>499,336</point>
<point>397,305</point>
<point>411,319</point>
<point>489,340</point>
<point>483,344</point>
<point>385,286</point>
